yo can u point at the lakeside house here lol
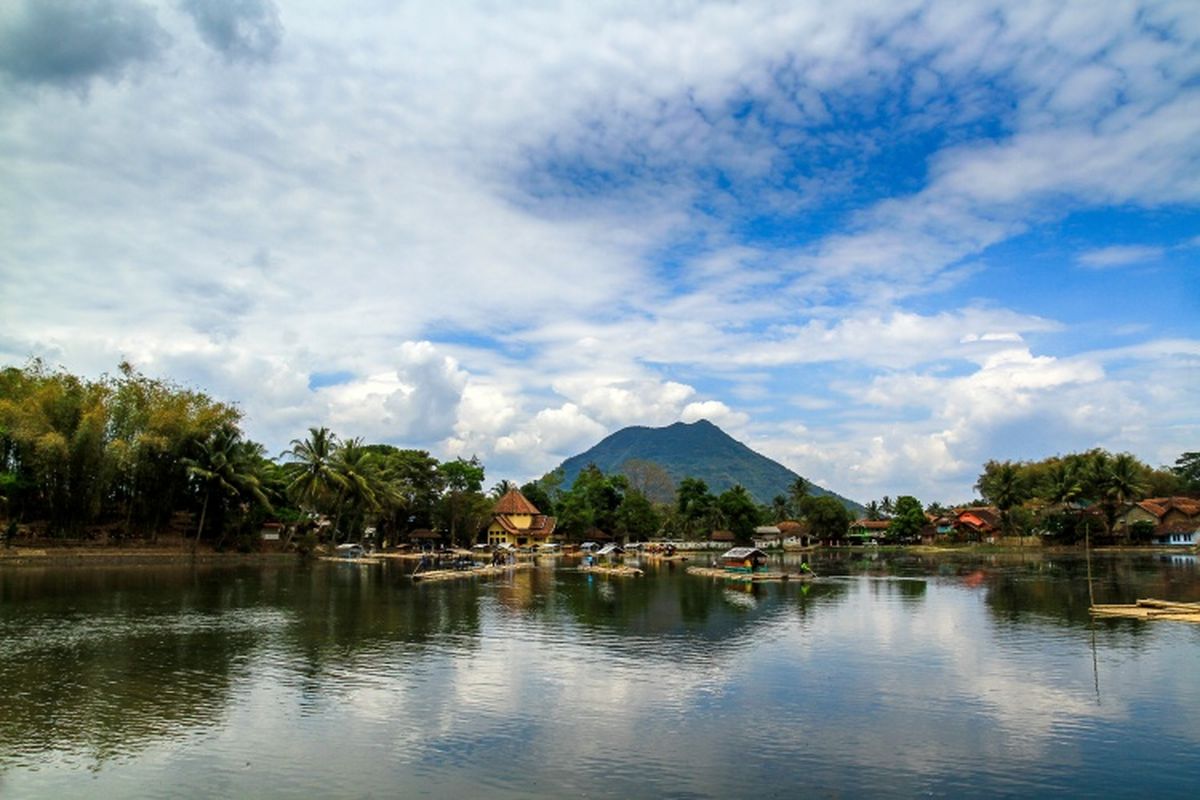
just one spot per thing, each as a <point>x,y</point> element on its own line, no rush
<point>768,536</point>
<point>516,522</point>
<point>978,523</point>
<point>867,531</point>
<point>1175,520</point>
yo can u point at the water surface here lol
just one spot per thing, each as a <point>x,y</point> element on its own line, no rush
<point>897,675</point>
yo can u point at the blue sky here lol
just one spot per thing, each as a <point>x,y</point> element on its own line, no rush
<point>880,242</point>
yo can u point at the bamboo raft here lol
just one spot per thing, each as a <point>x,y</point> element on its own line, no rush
<point>617,569</point>
<point>750,577</point>
<point>1151,609</point>
<point>657,557</point>
<point>363,560</point>
<point>452,574</point>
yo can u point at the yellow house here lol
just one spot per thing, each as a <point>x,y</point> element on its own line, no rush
<point>517,522</point>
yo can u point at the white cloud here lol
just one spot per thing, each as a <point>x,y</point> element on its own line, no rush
<point>520,231</point>
<point>1119,256</point>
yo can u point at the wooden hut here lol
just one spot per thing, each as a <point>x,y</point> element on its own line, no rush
<point>744,559</point>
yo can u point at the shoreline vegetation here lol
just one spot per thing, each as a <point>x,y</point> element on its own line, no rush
<point>129,466</point>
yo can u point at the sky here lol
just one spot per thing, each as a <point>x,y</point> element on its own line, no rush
<point>879,242</point>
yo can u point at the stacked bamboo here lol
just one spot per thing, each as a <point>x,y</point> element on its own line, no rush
<point>749,577</point>
<point>615,569</point>
<point>1151,609</point>
<point>451,574</point>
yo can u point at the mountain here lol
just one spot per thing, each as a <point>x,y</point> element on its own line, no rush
<point>696,450</point>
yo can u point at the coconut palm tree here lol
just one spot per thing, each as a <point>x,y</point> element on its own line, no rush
<point>1122,482</point>
<point>313,479</point>
<point>1062,484</point>
<point>1003,485</point>
<point>502,488</point>
<point>360,487</point>
<point>225,466</point>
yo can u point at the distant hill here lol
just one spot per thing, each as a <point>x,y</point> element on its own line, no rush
<point>696,450</point>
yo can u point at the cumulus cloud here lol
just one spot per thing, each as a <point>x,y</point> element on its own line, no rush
<point>517,232</point>
<point>67,44</point>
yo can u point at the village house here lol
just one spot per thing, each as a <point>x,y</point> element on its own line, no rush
<point>1176,520</point>
<point>868,531</point>
<point>516,522</point>
<point>977,523</point>
<point>768,536</point>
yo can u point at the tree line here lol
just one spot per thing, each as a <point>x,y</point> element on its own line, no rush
<point>129,457</point>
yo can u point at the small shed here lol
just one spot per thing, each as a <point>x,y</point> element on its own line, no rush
<point>744,559</point>
<point>610,550</point>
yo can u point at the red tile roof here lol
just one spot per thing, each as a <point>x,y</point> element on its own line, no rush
<point>514,502</point>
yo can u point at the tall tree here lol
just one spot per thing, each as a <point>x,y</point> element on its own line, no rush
<point>314,481</point>
<point>1003,485</point>
<point>827,518</point>
<point>1187,469</point>
<point>740,512</point>
<point>907,520</point>
<point>225,469</point>
<point>462,497</point>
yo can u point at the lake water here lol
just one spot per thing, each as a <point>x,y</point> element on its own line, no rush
<point>945,676</point>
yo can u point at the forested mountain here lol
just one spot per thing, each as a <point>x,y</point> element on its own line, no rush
<point>696,450</point>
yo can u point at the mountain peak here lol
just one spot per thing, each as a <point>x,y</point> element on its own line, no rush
<point>697,449</point>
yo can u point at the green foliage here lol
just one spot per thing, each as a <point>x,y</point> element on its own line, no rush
<point>1006,486</point>
<point>908,518</point>
<point>537,495</point>
<point>827,518</point>
<point>1187,469</point>
<point>84,451</point>
<point>463,507</point>
<point>740,513</point>
<point>1142,531</point>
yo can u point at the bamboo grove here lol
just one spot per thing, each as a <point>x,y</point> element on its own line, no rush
<point>131,457</point>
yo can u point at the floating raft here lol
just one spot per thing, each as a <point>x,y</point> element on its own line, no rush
<point>363,560</point>
<point>657,557</point>
<point>619,569</point>
<point>452,574</point>
<point>1151,609</point>
<point>750,577</point>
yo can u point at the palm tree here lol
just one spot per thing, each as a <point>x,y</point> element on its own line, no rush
<point>313,479</point>
<point>1122,482</point>
<point>502,488</point>
<point>886,506</point>
<point>1062,484</point>
<point>780,508</point>
<point>873,510</point>
<point>360,485</point>
<point>225,465</point>
<point>1003,485</point>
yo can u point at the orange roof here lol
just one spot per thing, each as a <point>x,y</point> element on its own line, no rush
<point>514,502</point>
<point>540,525</point>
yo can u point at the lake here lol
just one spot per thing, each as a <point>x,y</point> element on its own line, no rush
<point>897,675</point>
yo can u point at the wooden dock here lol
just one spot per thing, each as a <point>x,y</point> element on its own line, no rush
<point>472,572</point>
<point>1151,609</point>
<point>750,577</point>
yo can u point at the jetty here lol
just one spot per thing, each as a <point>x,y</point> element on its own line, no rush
<point>482,570</point>
<point>764,576</point>
<point>1150,608</point>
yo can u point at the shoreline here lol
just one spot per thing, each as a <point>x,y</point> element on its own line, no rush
<point>107,556</point>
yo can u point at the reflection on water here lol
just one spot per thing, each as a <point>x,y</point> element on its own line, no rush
<point>892,674</point>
